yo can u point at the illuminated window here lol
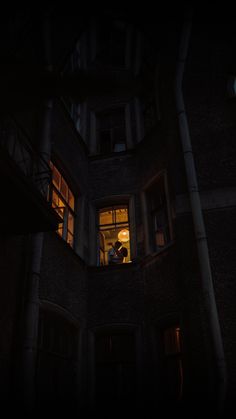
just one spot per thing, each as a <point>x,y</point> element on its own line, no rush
<point>173,363</point>
<point>113,227</point>
<point>112,131</point>
<point>159,220</point>
<point>64,203</point>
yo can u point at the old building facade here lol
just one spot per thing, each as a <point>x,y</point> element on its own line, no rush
<point>118,126</point>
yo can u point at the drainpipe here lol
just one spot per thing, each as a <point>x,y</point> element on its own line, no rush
<point>209,301</point>
<point>31,314</point>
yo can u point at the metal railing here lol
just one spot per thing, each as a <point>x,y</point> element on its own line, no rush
<point>17,145</point>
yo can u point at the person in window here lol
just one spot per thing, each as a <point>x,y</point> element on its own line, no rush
<point>117,253</point>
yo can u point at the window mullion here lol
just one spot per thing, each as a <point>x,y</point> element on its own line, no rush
<point>65,224</point>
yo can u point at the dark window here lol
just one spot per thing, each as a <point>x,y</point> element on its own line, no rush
<point>74,111</point>
<point>57,358</point>
<point>173,365</point>
<point>112,131</point>
<point>112,44</point>
<point>72,66</point>
<point>158,214</point>
<point>113,227</point>
<point>73,62</point>
<point>115,366</point>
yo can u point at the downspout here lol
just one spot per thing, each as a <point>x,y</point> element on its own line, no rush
<point>209,301</point>
<point>31,313</point>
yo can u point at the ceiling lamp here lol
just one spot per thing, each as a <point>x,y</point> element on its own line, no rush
<point>123,235</point>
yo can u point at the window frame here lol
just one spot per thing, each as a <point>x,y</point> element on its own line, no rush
<point>93,112</point>
<point>67,208</point>
<point>150,246</point>
<point>173,356</point>
<point>112,359</point>
<point>111,42</point>
<point>113,327</point>
<point>110,113</point>
<point>113,225</point>
<point>74,340</point>
<point>170,320</point>
<point>109,201</point>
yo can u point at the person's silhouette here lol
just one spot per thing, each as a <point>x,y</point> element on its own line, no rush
<point>117,253</point>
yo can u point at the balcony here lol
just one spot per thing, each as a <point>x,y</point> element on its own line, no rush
<point>24,179</point>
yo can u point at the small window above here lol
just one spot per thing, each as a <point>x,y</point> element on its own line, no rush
<point>73,62</point>
<point>112,43</point>
<point>111,131</point>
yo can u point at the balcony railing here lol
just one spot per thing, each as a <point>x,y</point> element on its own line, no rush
<point>15,142</point>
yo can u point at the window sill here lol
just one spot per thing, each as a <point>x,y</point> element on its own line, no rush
<point>151,257</point>
<point>120,267</point>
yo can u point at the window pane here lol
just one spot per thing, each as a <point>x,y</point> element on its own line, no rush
<point>174,378</point>
<point>58,204</point>
<point>157,200</point>
<point>104,121</point>
<point>105,141</point>
<point>121,215</point>
<point>106,217</point>
<point>118,147</point>
<point>160,239</point>
<point>56,177</point>
<point>160,220</point>
<point>172,340</point>
<point>61,203</point>
<point>119,135</point>
<point>60,229</point>
<point>112,130</point>
<point>173,363</point>
<point>55,199</point>
<point>71,200</point>
<point>156,195</point>
<point>64,189</point>
<point>61,212</point>
<point>70,239</point>
<point>118,117</point>
<point>115,367</point>
<point>70,222</point>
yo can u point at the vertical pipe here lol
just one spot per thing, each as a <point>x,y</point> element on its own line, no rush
<point>209,301</point>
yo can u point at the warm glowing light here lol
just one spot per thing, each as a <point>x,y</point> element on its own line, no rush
<point>123,235</point>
